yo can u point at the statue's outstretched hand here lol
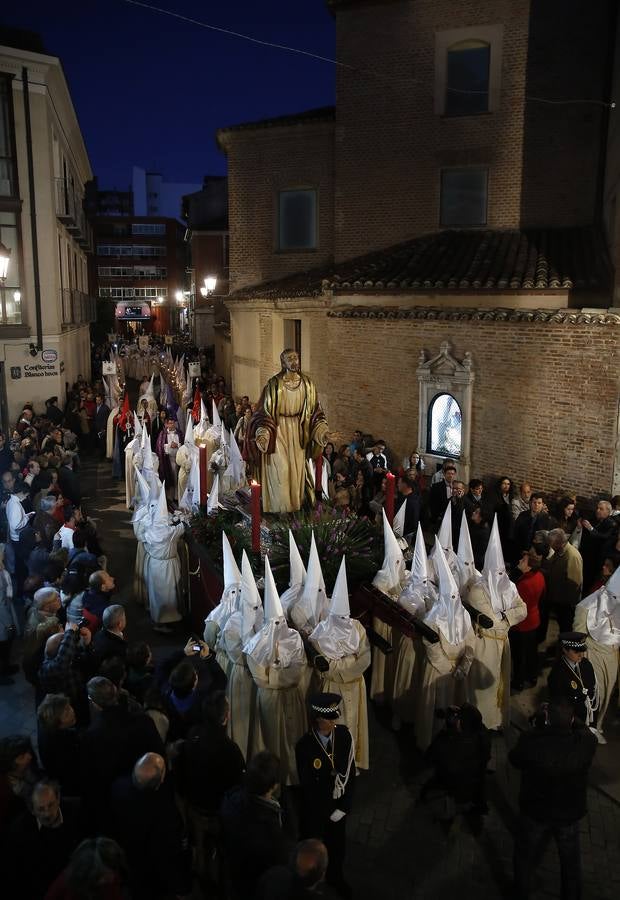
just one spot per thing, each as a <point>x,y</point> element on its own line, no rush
<point>262,439</point>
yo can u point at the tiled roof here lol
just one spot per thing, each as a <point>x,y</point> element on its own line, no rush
<point>325,113</point>
<point>450,314</point>
<point>463,261</point>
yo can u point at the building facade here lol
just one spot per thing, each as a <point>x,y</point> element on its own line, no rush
<point>138,270</point>
<point>442,226</point>
<point>46,305</point>
<point>153,196</point>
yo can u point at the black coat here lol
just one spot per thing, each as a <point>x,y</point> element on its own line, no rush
<point>554,767</point>
<point>106,645</point>
<point>316,779</point>
<point>438,500</point>
<point>101,418</point>
<point>526,527</point>
<point>209,765</point>
<point>59,752</point>
<point>564,684</point>
<point>184,715</point>
<point>412,512</point>
<point>252,833</point>
<point>69,484</point>
<point>149,828</point>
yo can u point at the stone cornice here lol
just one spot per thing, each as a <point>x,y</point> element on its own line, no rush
<point>544,316</point>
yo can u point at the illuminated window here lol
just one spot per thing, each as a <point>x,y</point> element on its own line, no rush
<point>444,426</point>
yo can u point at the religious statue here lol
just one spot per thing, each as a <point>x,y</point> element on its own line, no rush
<point>287,429</point>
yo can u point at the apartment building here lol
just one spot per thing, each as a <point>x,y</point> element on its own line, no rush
<point>45,303</point>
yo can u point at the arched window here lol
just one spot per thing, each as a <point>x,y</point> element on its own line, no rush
<point>444,426</point>
<point>467,78</point>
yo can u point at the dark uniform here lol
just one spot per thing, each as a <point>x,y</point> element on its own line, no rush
<point>323,771</point>
<point>577,684</point>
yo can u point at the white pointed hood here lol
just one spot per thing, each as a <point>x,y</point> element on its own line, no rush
<point>297,573</point>
<point>502,591</point>
<point>447,614</point>
<point>465,557</point>
<point>236,466</point>
<point>230,601</point>
<point>147,453</point>
<point>391,576</point>
<point>252,616</point>
<point>217,422</point>
<point>137,427</point>
<point>419,593</point>
<point>232,575</point>
<point>191,495</point>
<point>189,431</point>
<point>311,606</point>
<point>445,532</point>
<point>143,494</point>
<point>275,644</point>
<point>398,525</point>
<point>603,612</point>
<point>337,636</point>
<point>213,503</point>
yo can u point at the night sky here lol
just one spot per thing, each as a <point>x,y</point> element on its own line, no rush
<point>151,90</point>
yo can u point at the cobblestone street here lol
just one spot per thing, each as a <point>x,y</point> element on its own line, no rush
<point>396,849</point>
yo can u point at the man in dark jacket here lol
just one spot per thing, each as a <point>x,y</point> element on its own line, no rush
<point>528,523</point>
<point>440,493</point>
<point>252,825</point>
<point>185,679</point>
<point>69,482</point>
<point>554,759</point>
<point>102,412</point>
<point>148,826</point>
<point>110,639</point>
<point>411,499</point>
<point>110,746</point>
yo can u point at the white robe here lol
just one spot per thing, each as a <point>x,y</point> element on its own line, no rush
<point>162,572</point>
<point>489,679</point>
<point>110,429</point>
<point>241,689</point>
<point>439,686</point>
<point>346,677</point>
<point>281,714</point>
<point>604,659</point>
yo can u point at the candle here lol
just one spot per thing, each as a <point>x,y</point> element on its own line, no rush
<point>318,481</point>
<point>202,459</point>
<point>389,496</point>
<point>255,508</point>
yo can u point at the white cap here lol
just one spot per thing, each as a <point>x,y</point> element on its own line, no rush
<point>137,427</point>
<point>232,575</point>
<point>445,532</point>
<point>143,488</point>
<point>160,513</point>
<point>191,494</point>
<point>296,564</point>
<point>398,524</point>
<point>419,565</point>
<point>465,556</point>
<point>447,614</point>
<point>340,595</point>
<point>236,467</point>
<point>189,431</point>
<point>147,453</point>
<point>251,605</point>
<point>213,503</point>
<point>273,607</point>
<point>204,419</point>
<point>502,591</point>
<point>313,600</point>
<point>217,422</point>
<point>390,576</point>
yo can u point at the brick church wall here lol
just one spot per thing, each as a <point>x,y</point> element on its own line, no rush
<point>545,398</point>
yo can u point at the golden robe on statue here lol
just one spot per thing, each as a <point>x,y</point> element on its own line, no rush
<point>287,429</point>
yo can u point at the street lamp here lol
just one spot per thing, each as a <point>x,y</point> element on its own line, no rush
<point>209,287</point>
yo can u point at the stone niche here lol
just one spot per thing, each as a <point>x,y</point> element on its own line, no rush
<point>440,378</point>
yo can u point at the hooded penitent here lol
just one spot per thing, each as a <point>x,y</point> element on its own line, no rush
<point>252,617</point>
<point>297,574</point>
<point>465,557</point>
<point>213,499</point>
<point>275,644</point>
<point>392,575</point>
<point>603,612</point>
<point>311,606</point>
<point>502,591</point>
<point>419,593</point>
<point>336,636</point>
<point>231,595</point>
<point>447,614</point>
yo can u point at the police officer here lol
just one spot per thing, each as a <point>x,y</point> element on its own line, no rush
<point>572,678</point>
<point>326,768</point>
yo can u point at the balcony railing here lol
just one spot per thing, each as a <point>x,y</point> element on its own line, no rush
<point>70,211</point>
<point>77,308</point>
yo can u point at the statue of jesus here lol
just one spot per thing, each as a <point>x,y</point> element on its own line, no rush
<point>287,429</point>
